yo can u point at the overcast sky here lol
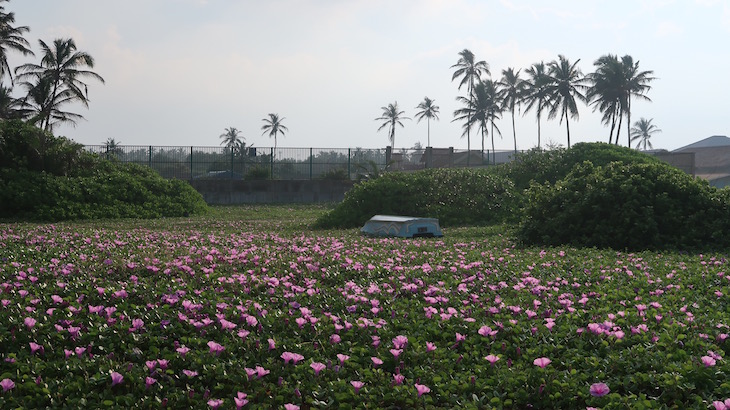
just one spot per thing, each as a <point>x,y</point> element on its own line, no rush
<point>178,72</point>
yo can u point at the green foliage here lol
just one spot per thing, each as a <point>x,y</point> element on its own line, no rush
<point>455,196</point>
<point>257,173</point>
<point>626,206</point>
<point>337,174</point>
<point>44,178</point>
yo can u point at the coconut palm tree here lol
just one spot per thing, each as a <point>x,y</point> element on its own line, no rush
<point>637,84</point>
<point>273,126</point>
<point>481,109</point>
<point>565,85</point>
<point>428,110</point>
<point>470,71</point>
<point>536,92</point>
<point>41,108</point>
<point>392,116</point>
<point>604,92</point>
<point>230,137</point>
<point>642,132</point>
<point>11,39</point>
<point>511,91</point>
<point>60,73</point>
<point>10,107</point>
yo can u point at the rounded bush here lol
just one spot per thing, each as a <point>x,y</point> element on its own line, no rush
<point>626,206</point>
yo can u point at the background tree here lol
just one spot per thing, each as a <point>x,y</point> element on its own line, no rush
<point>481,109</point>
<point>428,110</point>
<point>59,75</point>
<point>470,71</point>
<point>536,92</point>
<point>10,107</point>
<point>273,126</point>
<point>642,132</point>
<point>39,103</point>
<point>11,39</point>
<point>637,84</point>
<point>231,137</point>
<point>564,88</point>
<point>113,147</point>
<point>391,117</point>
<point>511,91</point>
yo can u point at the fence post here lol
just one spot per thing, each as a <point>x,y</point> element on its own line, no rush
<point>451,157</point>
<point>232,152</point>
<point>388,154</point>
<point>149,160</point>
<point>429,157</point>
<point>271,170</point>
<point>349,163</point>
<point>191,162</point>
<point>311,159</point>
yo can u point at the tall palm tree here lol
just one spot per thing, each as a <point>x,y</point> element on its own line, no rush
<point>481,109</point>
<point>41,108</point>
<point>230,137</point>
<point>274,127</point>
<point>10,107</point>
<point>637,84</point>
<point>428,110</point>
<point>62,70</point>
<point>391,116</point>
<point>566,82</point>
<point>11,38</point>
<point>511,91</point>
<point>642,132</point>
<point>470,71</point>
<point>537,94</point>
<point>604,92</point>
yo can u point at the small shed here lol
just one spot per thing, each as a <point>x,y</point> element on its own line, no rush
<point>403,226</point>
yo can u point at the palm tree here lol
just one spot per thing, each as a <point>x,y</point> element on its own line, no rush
<point>481,108</point>
<point>566,80</point>
<point>10,107</point>
<point>39,105</point>
<point>11,38</point>
<point>642,132</point>
<point>511,91</point>
<point>391,117</point>
<point>230,137</point>
<point>536,93</point>
<point>470,71</point>
<point>113,148</point>
<point>428,110</point>
<point>274,127</point>
<point>637,84</point>
<point>60,76</point>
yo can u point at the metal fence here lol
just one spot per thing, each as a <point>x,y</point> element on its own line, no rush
<point>292,163</point>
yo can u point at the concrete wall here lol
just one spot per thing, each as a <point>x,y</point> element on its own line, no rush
<point>231,192</point>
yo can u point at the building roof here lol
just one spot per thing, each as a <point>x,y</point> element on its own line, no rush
<point>711,142</point>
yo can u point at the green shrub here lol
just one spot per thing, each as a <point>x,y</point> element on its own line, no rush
<point>258,172</point>
<point>335,174</point>
<point>632,206</point>
<point>455,196</point>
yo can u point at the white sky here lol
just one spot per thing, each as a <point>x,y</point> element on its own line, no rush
<point>178,72</point>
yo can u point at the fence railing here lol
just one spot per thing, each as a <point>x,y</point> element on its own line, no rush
<point>292,163</point>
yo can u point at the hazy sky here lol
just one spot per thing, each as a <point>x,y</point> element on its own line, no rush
<point>178,72</point>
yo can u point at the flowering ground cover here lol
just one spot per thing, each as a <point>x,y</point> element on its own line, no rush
<point>247,308</point>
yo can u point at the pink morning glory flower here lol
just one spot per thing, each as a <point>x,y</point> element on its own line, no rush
<point>261,372</point>
<point>342,357</point>
<point>317,367</point>
<point>29,322</point>
<point>422,389</point>
<point>240,400</point>
<point>396,352</point>
<point>460,337</point>
<point>430,347</point>
<point>34,347</point>
<point>116,378</point>
<point>182,350</point>
<point>398,379</point>
<point>708,361</point>
<point>272,344</point>
<point>357,384</point>
<point>190,373</point>
<point>376,361</point>
<point>491,358</point>
<point>599,389</point>
<point>541,362</point>
<point>400,341</point>
<point>721,405</point>
<point>215,403</point>
<point>7,384</point>
<point>149,381</point>
<point>215,348</point>
<point>290,406</point>
<point>294,357</point>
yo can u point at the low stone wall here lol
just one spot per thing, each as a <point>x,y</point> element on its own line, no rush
<point>232,192</point>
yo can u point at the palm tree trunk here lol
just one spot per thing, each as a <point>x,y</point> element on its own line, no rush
<point>538,130</point>
<point>428,123</point>
<point>514,133</point>
<point>613,125</point>
<point>618,129</point>
<point>567,123</point>
<point>494,154</point>
<point>628,123</point>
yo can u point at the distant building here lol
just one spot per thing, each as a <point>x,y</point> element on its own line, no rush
<point>711,159</point>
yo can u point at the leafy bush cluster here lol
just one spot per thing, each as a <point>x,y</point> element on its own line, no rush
<point>45,178</point>
<point>455,196</point>
<point>593,194</point>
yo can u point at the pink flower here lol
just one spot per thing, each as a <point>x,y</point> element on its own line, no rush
<point>190,373</point>
<point>272,344</point>
<point>708,361</point>
<point>376,361</point>
<point>422,389</point>
<point>29,322</point>
<point>460,337</point>
<point>182,350</point>
<point>116,378</point>
<point>149,381</point>
<point>317,367</point>
<point>151,364</point>
<point>541,362</point>
<point>7,384</point>
<point>721,405</point>
<point>400,341</point>
<point>240,400</point>
<point>295,357</point>
<point>357,384</point>
<point>215,403</point>
<point>290,406</point>
<point>342,357</point>
<point>430,347</point>
<point>491,359</point>
<point>599,389</point>
<point>215,348</point>
<point>261,372</point>
<point>398,379</point>
<point>396,352</point>
<point>335,338</point>
<point>34,347</point>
